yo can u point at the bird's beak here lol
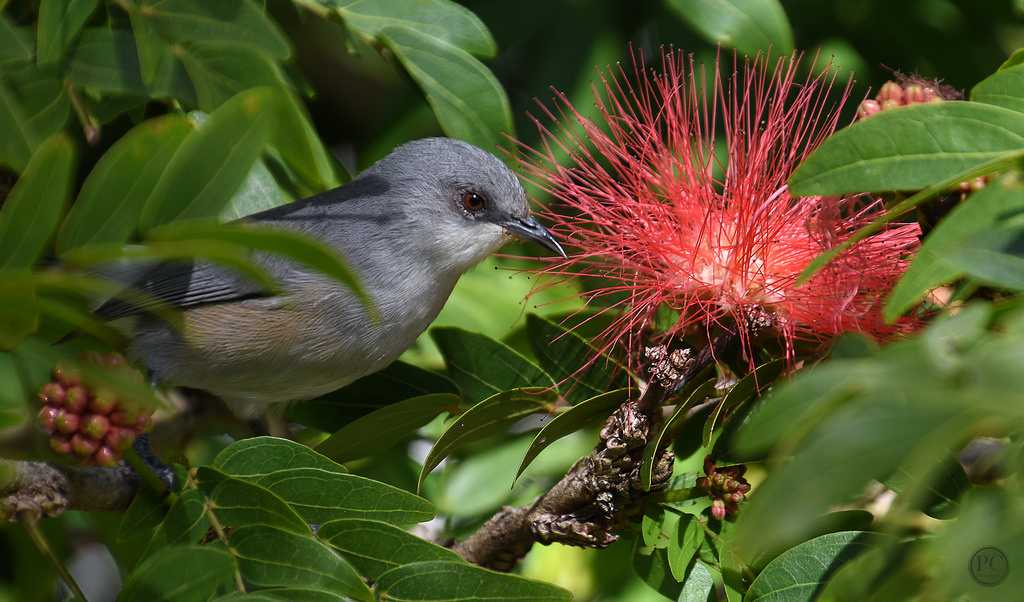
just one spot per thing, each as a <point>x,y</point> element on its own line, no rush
<point>528,228</point>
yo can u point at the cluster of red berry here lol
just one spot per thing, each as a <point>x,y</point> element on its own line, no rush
<point>893,95</point>
<point>91,424</point>
<point>725,486</point>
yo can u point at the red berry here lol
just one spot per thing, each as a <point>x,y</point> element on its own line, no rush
<point>95,426</point>
<point>52,393</point>
<point>120,439</point>
<point>59,444</point>
<point>105,456</point>
<point>66,422</point>
<point>48,417</point>
<point>83,446</point>
<point>76,399</point>
<point>125,417</point>
<point>103,402</point>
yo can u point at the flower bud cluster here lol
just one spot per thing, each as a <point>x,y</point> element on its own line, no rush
<point>90,423</point>
<point>725,486</point>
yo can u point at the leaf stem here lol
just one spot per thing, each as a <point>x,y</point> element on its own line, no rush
<point>32,528</point>
<point>222,535</point>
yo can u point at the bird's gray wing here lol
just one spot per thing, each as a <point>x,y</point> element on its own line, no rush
<point>178,284</point>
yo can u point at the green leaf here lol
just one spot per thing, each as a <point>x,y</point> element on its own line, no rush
<point>199,21</point>
<point>657,444</point>
<point>14,408</point>
<point>440,19</point>
<point>467,99</point>
<point>483,419</point>
<point>320,496</point>
<point>740,393</point>
<point>698,585</point>
<point>35,205</point>
<point>220,70</point>
<point>1004,88</point>
<point>300,147</point>
<point>572,420</point>
<point>283,594</point>
<point>213,161</point>
<point>651,565</point>
<point>563,353</point>
<point>59,23</point>
<point>180,574</point>
<point>19,308</point>
<point>260,456</point>
<point>301,248</point>
<point>995,257</point>
<point>259,192</point>
<point>395,383</point>
<point>374,547</point>
<point>683,545</point>
<point>461,582</point>
<point>796,574</point>
<point>944,488</point>
<point>483,367</point>
<point>378,431</point>
<point>112,197</point>
<point>107,60</point>
<point>237,503</point>
<point>909,148</point>
<point>749,26</point>
<point>144,514</point>
<point>986,208</point>
<point>185,523</point>
<point>15,43</point>
<point>1016,58</point>
<point>270,557</point>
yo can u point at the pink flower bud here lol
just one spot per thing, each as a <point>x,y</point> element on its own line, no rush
<point>914,93</point>
<point>125,417</point>
<point>66,422</point>
<point>103,402</point>
<point>718,509</point>
<point>48,417</point>
<point>52,393</point>
<point>120,439</point>
<point>95,426</point>
<point>106,457</point>
<point>867,108</point>
<point>891,91</point>
<point>704,483</point>
<point>83,446</point>
<point>888,105</point>
<point>76,399</point>
<point>67,375</point>
<point>61,445</point>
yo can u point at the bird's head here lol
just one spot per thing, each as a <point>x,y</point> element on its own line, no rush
<point>465,201</point>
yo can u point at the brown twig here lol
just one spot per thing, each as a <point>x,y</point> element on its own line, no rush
<point>38,489</point>
<point>601,490</point>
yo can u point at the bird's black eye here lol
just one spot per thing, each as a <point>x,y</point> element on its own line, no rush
<point>473,202</point>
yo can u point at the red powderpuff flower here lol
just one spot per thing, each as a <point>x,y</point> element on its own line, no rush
<point>641,208</point>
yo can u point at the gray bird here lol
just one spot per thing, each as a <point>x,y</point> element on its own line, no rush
<point>409,226</point>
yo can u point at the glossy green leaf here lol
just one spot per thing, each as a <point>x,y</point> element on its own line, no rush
<point>236,502</point>
<point>145,513</point>
<point>909,148</point>
<point>397,382</point>
<point>180,574</point>
<point>467,99</point>
<point>184,523</point>
<point>483,419</point>
<point>750,26</point>
<point>320,496</point>
<point>483,367</point>
<point>301,248</point>
<point>943,490</point>
<point>34,206</point>
<point>300,148</point>
<point>380,430</point>
<point>259,192</point>
<point>112,197</point>
<point>107,60</point>
<point>213,161</point>
<point>683,545</point>
<point>740,393</point>
<point>987,208</point>
<point>59,23</point>
<point>658,443</point>
<point>798,573</point>
<point>1004,88</point>
<point>461,582</point>
<point>995,257</point>
<point>14,407</point>
<point>270,557</point>
<point>374,547</point>
<point>15,43</point>
<point>563,353</point>
<point>283,594</point>
<point>259,456</point>
<point>442,19</point>
<point>699,584</point>
<point>572,420</point>
<point>651,565</point>
<point>19,309</point>
<point>18,141</point>
<point>219,71</point>
<point>243,22</point>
